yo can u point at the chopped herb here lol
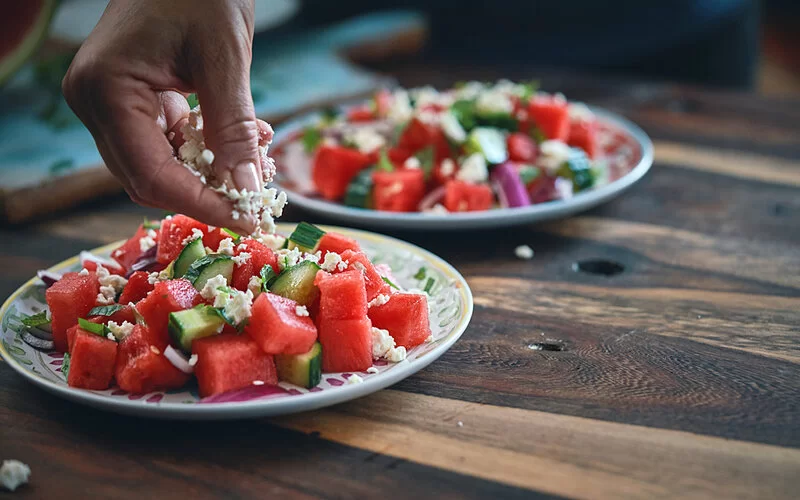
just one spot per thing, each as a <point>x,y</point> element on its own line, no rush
<point>529,89</point>
<point>192,100</point>
<point>537,135</point>
<point>268,276</point>
<point>232,234</point>
<point>421,273</point>
<point>426,161</point>
<point>151,224</point>
<point>528,174</point>
<point>106,310</point>
<point>311,139</point>
<point>429,285</point>
<point>503,121</point>
<point>389,282</point>
<point>36,320</point>
<point>384,163</point>
<point>65,365</point>
<point>95,328</point>
<point>464,111</point>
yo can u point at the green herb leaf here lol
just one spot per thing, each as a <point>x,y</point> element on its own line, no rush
<point>421,273</point>
<point>65,365</point>
<point>528,174</point>
<point>429,285</point>
<point>464,111</point>
<point>306,236</point>
<point>389,282</point>
<point>384,163</point>
<point>311,139</point>
<point>268,276</point>
<point>232,234</point>
<point>537,135</point>
<point>151,224</point>
<point>106,310</point>
<point>530,88</point>
<point>95,328</point>
<point>35,320</point>
<point>192,100</point>
<point>425,157</point>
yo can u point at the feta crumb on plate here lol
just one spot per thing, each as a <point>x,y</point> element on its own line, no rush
<point>372,369</point>
<point>354,379</point>
<point>14,473</point>
<point>524,252</point>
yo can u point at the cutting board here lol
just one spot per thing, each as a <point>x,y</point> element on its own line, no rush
<point>49,162</point>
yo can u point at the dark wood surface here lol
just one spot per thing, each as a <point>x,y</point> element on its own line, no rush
<point>677,377</point>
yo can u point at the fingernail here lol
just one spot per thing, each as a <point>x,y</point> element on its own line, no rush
<point>245,176</point>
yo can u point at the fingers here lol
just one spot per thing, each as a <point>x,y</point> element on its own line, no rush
<point>174,113</point>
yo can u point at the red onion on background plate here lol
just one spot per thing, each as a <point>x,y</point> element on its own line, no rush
<point>431,199</point>
<point>510,188</point>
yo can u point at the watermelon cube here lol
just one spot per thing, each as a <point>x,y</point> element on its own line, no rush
<point>137,288</point>
<point>346,344</point>
<point>260,255</point>
<point>92,361</point>
<point>373,281</point>
<point>583,134</point>
<point>334,167</point>
<point>275,326</point>
<point>231,361</point>
<point>337,243</point>
<point>342,295</point>
<point>212,237</point>
<point>129,252</point>
<point>460,196</point>
<point>398,191</point>
<point>70,298</point>
<point>405,316</point>
<point>551,116</point>
<point>166,297</point>
<point>173,231</point>
<point>141,366</point>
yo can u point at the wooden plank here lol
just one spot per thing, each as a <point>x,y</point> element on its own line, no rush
<point>569,456</point>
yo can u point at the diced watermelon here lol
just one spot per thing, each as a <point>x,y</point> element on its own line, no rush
<point>92,361</point>
<point>398,156</point>
<point>275,326</point>
<point>137,288</point>
<point>373,280</point>
<point>124,314</point>
<point>342,295</point>
<point>551,116</point>
<point>398,191</point>
<point>130,251</point>
<point>166,297</point>
<point>173,231</point>
<point>141,366</point>
<point>460,196</point>
<point>583,134</point>
<point>419,135</point>
<point>334,167</point>
<point>361,114</point>
<point>521,148</point>
<point>70,298</point>
<point>229,362</point>
<point>405,316</point>
<point>346,344</point>
<point>337,243</point>
<point>260,255</point>
<point>212,237</point>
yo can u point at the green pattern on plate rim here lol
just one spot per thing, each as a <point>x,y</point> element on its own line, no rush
<point>450,307</point>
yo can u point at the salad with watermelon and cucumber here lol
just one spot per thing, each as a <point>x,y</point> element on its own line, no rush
<point>181,300</point>
<point>471,148</point>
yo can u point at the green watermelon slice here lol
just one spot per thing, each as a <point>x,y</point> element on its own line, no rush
<point>24,25</point>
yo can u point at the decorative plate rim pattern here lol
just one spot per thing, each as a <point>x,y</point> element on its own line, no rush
<point>299,400</point>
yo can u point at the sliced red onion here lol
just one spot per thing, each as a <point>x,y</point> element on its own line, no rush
<point>146,262</point>
<point>510,185</point>
<point>431,199</point>
<point>107,263</point>
<point>36,342</point>
<point>178,360</point>
<point>48,277</point>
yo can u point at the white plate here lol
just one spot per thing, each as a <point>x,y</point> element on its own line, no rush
<point>635,150</point>
<point>450,307</point>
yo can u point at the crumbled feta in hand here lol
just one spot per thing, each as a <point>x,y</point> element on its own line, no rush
<point>524,252</point>
<point>254,285</point>
<point>239,307</point>
<point>552,155</point>
<point>226,247</point>
<point>380,300</point>
<point>365,139</point>
<point>494,101</point>
<point>196,235</point>
<point>14,473</point>
<point>212,286</point>
<point>412,162</point>
<point>241,258</point>
<point>448,167</point>
<point>473,169</point>
<point>119,332</point>
<point>354,379</point>
<point>301,311</point>
<point>148,241</point>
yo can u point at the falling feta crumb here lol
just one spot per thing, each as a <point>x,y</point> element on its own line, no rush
<point>193,360</point>
<point>460,423</point>
<point>354,379</point>
<point>120,331</point>
<point>225,247</point>
<point>524,252</point>
<point>14,473</point>
<point>372,369</point>
<point>241,258</point>
<point>211,287</point>
<point>301,311</point>
<point>273,241</point>
<point>258,382</point>
<point>196,235</point>
<point>380,300</point>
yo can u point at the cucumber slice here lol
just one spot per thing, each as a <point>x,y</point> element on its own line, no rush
<point>205,268</point>
<point>297,283</point>
<point>304,370</point>
<point>359,191</point>
<point>578,169</point>
<point>489,142</point>
<point>305,237</point>
<point>191,252</point>
<point>186,326</point>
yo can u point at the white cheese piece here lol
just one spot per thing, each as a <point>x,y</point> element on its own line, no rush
<point>473,169</point>
<point>240,259</point>
<point>452,128</point>
<point>552,155</point>
<point>380,300</point>
<point>226,247</point>
<point>196,235</point>
<point>254,285</point>
<point>354,379</point>
<point>412,162</point>
<point>448,167</point>
<point>494,102</point>
<point>365,139</point>
<point>524,252</point>
<point>120,331</point>
<point>396,354</point>
<point>13,474</point>
<point>301,311</point>
<point>212,286</point>
<point>239,307</point>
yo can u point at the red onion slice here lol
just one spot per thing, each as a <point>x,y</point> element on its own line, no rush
<point>178,360</point>
<point>49,278</point>
<point>431,199</point>
<point>510,186</point>
<point>109,264</point>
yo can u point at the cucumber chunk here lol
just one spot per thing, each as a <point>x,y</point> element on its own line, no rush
<point>304,370</point>
<point>359,191</point>
<point>191,252</point>
<point>186,326</point>
<point>205,268</point>
<point>305,237</point>
<point>297,283</point>
<point>489,142</point>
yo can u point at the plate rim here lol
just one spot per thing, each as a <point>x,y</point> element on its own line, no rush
<point>258,407</point>
<point>472,220</point>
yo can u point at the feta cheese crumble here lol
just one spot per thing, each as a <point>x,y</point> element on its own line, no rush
<point>494,102</point>
<point>365,139</point>
<point>400,109</point>
<point>239,307</point>
<point>448,167</point>
<point>13,474</point>
<point>552,154</point>
<point>154,278</point>
<point>383,346</point>
<point>273,241</point>
<point>473,169</point>
<point>120,331</point>
<point>148,241</point>
<point>301,311</point>
<point>354,379</point>
<point>254,285</point>
<point>332,262</point>
<point>380,300</point>
<point>110,285</point>
<point>396,355</point>
<point>212,287</point>
<point>241,258</point>
<point>196,235</point>
<point>412,162</point>
<point>372,369</point>
<point>436,209</point>
<point>84,272</point>
<point>225,247</point>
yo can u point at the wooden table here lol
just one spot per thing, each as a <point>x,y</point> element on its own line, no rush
<point>677,377</point>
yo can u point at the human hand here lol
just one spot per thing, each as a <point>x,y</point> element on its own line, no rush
<point>128,85</point>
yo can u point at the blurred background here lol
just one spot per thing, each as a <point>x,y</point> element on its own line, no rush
<point>314,52</point>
